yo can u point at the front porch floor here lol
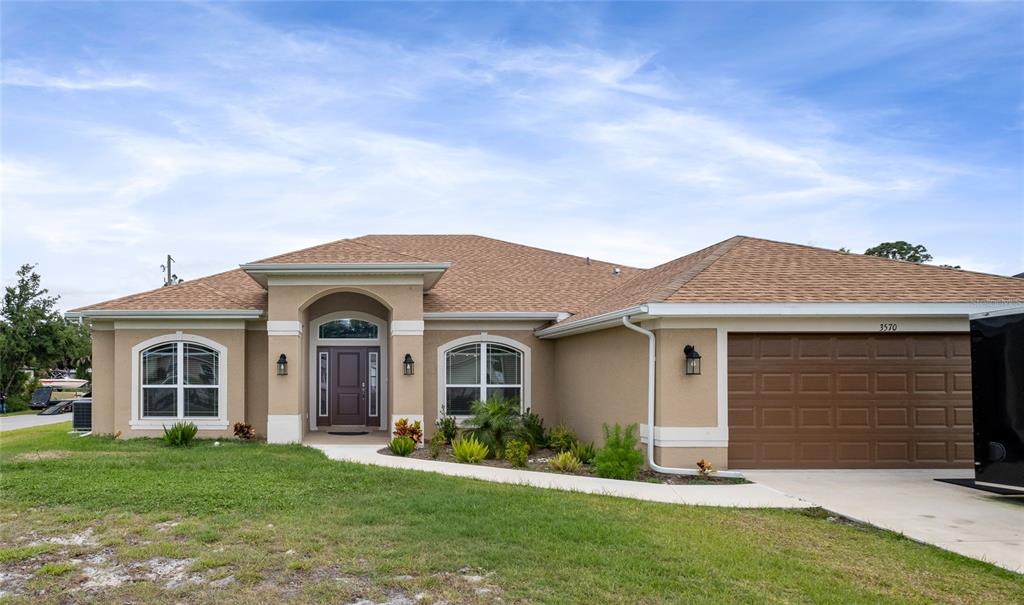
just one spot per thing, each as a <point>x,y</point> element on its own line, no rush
<point>374,437</point>
<point>749,495</point>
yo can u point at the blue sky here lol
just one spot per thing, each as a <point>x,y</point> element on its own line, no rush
<point>224,133</point>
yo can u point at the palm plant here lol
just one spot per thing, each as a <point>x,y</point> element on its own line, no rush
<point>494,422</point>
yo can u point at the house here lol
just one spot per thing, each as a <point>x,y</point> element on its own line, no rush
<point>807,357</point>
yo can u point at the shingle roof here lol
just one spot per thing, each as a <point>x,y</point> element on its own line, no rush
<point>494,275</point>
<point>229,290</point>
<point>750,270</point>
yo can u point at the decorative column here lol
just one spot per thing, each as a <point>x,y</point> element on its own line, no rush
<point>285,416</point>
<point>407,388</point>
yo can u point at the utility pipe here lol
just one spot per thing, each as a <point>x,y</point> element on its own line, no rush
<point>668,470</point>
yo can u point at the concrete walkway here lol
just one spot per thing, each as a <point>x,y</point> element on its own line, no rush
<point>739,496</point>
<point>967,521</point>
<point>24,421</point>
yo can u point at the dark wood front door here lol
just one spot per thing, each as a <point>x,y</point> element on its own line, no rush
<point>345,385</point>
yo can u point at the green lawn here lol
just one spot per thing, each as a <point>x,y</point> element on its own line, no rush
<point>92,519</point>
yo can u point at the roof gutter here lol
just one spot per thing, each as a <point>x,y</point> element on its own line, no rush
<point>496,315</point>
<point>597,322</point>
<point>651,432</point>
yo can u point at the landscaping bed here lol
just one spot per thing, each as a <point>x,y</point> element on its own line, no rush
<point>540,461</point>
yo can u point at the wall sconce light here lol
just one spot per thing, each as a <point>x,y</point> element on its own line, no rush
<point>408,363</point>
<point>692,358</point>
<point>282,365</point>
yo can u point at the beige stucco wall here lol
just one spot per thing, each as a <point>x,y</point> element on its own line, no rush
<point>103,379</point>
<point>288,302</point>
<point>256,378</point>
<point>601,378</point>
<point>543,401</point>
<point>687,457</point>
<point>123,341</point>
<point>682,400</point>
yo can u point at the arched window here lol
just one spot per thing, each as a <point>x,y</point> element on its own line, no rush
<point>180,379</point>
<point>349,328</point>
<point>481,371</point>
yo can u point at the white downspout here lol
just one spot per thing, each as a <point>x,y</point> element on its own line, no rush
<point>650,411</point>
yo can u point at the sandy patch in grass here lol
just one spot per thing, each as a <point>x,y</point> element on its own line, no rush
<point>43,455</point>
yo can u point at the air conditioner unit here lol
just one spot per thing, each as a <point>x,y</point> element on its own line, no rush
<point>81,415</point>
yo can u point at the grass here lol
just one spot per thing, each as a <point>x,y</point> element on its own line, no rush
<point>19,413</point>
<point>255,523</point>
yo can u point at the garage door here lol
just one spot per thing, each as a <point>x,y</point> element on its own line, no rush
<point>849,401</point>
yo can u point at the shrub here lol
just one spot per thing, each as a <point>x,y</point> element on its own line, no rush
<point>619,458</point>
<point>181,434</point>
<point>565,462</point>
<point>469,449</point>
<point>704,468</point>
<point>448,428</point>
<point>532,431</point>
<point>244,430</point>
<point>584,451</point>
<point>494,422</point>
<point>412,430</point>
<point>561,438</point>
<point>517,453</point>
<point>402,446</point>
<point>437,443</point>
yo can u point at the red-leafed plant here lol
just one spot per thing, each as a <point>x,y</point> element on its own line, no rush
<point>412,430</point>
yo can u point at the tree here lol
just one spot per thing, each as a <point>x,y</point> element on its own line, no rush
<point>33,334</point>
<point>900,250</point>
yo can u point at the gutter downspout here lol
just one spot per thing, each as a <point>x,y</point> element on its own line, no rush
<point>650,411</point>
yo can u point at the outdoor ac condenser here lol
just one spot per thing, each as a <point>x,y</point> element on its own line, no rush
<point>81,415</point>
<point>997,384</point>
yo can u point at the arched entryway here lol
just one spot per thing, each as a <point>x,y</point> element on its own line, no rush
<point>348,342</point>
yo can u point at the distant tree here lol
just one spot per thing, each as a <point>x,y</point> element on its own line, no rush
<point>950,266</point>
<point>844,250</point>
<point>900,250</point>
<point>33,334</point>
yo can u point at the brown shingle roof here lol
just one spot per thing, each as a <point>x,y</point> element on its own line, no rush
<point>750,270</point>
<point>493,275</point>
<point>229,290</point>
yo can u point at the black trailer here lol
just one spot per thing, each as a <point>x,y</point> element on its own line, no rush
<point>997,383</point>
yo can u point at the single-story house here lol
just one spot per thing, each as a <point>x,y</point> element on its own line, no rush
<point>808,357</point>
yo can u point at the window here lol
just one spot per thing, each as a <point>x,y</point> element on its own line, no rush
<point>180,380</point>
<point>349,328</point>
<point>481,371</point>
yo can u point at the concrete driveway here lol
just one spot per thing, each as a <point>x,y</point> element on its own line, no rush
<point>23,421</point>
<point>964,520</point>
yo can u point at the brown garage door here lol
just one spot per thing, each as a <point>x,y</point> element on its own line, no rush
<point>849,401</point>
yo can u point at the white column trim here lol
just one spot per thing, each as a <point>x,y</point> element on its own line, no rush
<point>284,428</point>
<point>278,327</point>
<point>406,327</point>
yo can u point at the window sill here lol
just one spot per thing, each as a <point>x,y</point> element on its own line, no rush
<point>202,424</point>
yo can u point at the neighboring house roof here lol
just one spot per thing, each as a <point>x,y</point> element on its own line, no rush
<point>488,275</point>
<point>750,270</point>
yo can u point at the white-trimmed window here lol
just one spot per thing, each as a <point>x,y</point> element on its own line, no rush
<point>480,371</point>
<point>179,377</point>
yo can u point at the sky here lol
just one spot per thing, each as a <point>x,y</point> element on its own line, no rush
<point>633,133</point>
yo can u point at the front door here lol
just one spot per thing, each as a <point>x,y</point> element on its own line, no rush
<point>348,385</point>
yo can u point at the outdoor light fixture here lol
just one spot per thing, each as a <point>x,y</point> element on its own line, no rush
<point>692,358</point>
<point>282,365</point>
<point>408,363</point>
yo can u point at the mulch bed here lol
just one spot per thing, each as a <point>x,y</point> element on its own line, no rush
<point>538,461</point>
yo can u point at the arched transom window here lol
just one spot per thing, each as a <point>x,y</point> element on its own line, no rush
<point>349,328</point>
<point>481,371</point>
<point>180,380</point>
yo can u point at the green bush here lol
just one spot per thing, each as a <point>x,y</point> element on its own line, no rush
<point>437,443</point>
<point>402,446</point>
<point>532,431</point>
<point>619,458</point>
<point>448,428</point>
<point>517,453</point>
<point>181,434</point>
<point>494,422</point>
<point>584,451</point>
<point>565,462</point>
<point>469,449</point>
<point>561,438</point>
